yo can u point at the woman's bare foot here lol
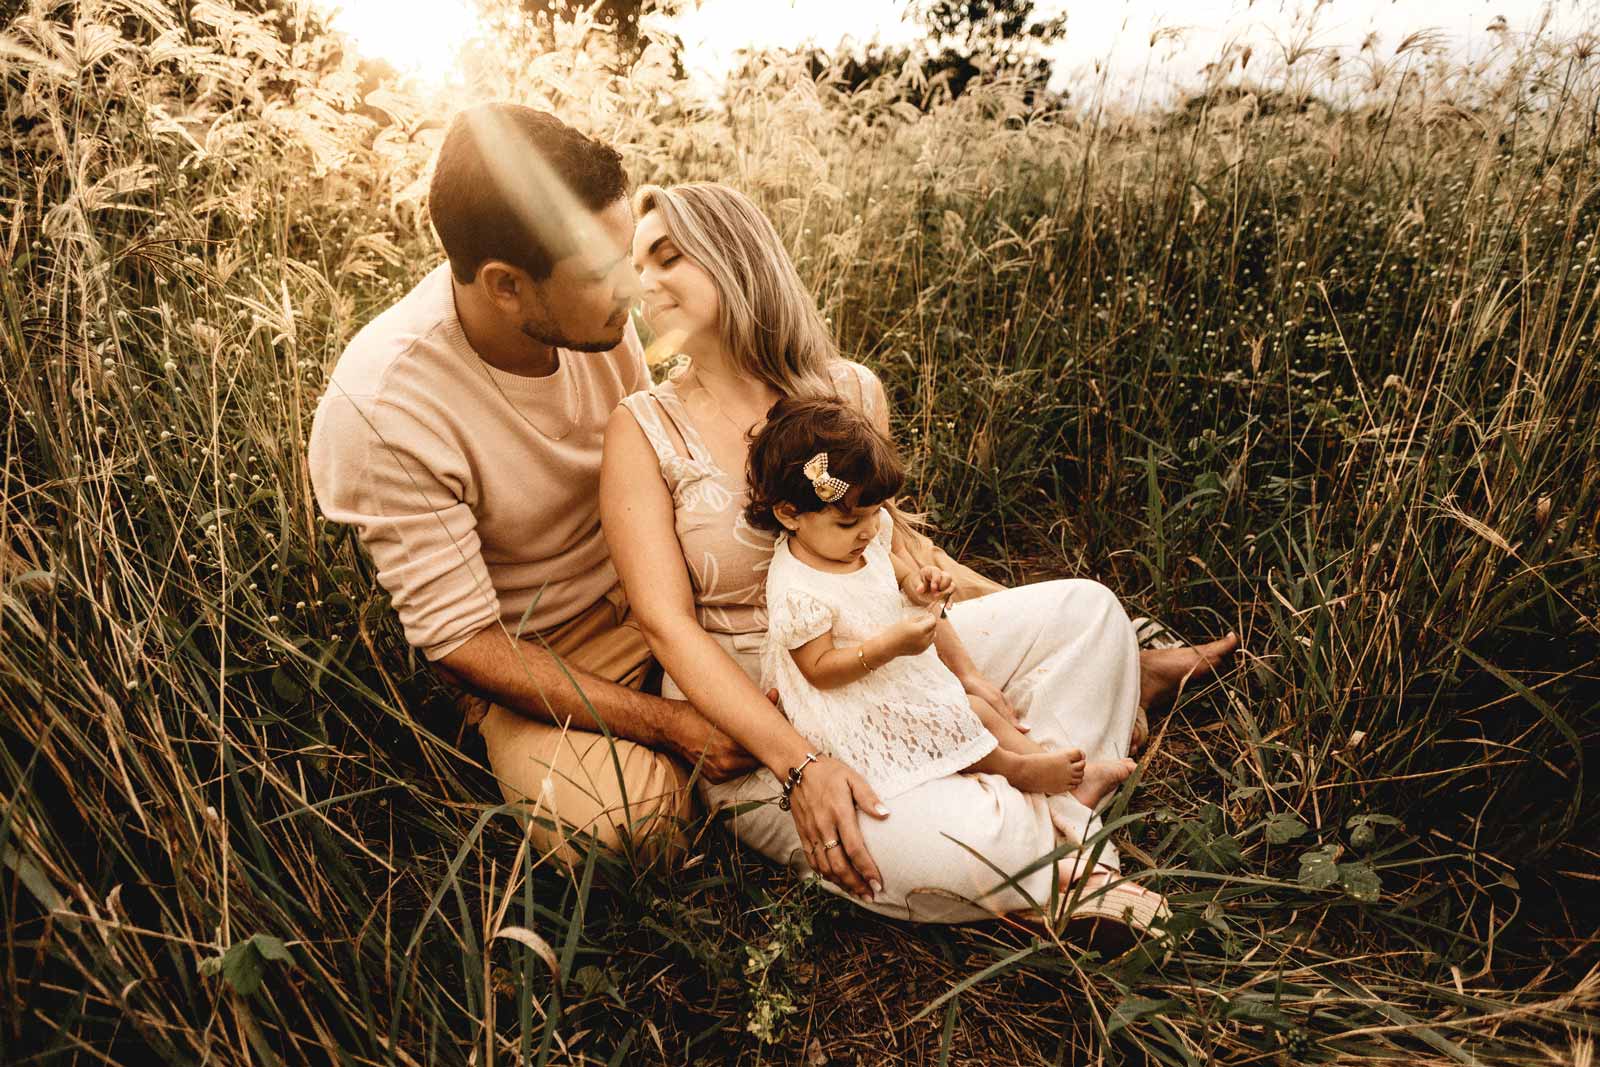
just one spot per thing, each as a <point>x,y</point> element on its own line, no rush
<point>1038,772</point>
<point>1100,777</point>
<point>1164,671</point>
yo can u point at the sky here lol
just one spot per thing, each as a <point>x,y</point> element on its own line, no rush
<point>1144,48</point>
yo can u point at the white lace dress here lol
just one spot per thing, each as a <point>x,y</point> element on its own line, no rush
<point>905,723</point>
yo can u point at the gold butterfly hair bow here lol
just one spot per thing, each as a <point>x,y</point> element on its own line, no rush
<point>827,487</point>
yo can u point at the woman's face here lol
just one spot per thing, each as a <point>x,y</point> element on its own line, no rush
<point>680,299</point>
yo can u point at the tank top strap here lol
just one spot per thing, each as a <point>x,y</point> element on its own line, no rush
<point>661,415</point>
<point>677,415</point>
<point>645,408</point>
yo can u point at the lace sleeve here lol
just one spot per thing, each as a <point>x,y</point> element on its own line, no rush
<point>797,617</point>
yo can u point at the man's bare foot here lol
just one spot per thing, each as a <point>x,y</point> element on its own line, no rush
<point>1141,732</point>
<point>1101,777</point>
<point>1044,772</point>
<point>1164,671</point>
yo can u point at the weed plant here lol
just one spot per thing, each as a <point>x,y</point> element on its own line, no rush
<point>1310,356</point>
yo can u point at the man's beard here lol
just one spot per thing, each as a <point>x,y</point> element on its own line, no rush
<point>548,335</point>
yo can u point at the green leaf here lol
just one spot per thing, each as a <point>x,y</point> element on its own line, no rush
<point>1317,867</point>
<point>1283,828</point>
<point>1363,834</point>
<point>1131,1009</point>
<point>272,949</point>
<point>1256,1009</point>
<point>244,964</point>
<point>1360,881</point>
<point>243,967</point>
<point>287,688</point>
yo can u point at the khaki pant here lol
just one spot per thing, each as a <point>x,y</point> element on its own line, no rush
<point>578,782</point>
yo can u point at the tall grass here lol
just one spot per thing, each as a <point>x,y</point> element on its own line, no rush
<point>1314,361</point>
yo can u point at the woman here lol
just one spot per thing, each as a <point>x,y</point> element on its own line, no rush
<point>1059,656</point>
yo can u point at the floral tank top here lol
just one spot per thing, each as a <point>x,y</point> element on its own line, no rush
<point>727,558</point>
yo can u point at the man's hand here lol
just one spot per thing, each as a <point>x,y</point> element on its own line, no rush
<point>693,739</point>
<point>927,584</point>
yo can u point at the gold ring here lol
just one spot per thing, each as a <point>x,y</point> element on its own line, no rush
<point>831,844</point>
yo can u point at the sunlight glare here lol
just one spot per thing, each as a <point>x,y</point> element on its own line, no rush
<point>418,37</point>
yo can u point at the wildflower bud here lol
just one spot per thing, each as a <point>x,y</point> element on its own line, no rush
<point>169,366</point>
<point>149,479</point>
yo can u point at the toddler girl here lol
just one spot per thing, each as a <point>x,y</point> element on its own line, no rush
<point>855,669</point>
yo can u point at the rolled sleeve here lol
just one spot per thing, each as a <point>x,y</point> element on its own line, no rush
<point>406,492</point>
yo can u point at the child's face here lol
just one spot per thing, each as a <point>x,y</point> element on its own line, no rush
<point>836,533</point>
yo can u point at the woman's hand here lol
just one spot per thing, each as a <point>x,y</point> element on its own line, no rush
<point>978,686</point>
<point>824,807</point>
<point>927,584</point>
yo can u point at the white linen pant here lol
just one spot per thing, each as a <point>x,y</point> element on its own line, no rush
<point>1065,655</point>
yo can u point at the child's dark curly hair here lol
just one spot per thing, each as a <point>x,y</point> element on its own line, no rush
<point>795,431</point>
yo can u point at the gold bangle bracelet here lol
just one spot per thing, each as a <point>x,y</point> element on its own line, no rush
<point>861,654</point>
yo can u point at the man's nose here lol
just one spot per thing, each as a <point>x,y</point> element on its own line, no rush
<point>632,285</point>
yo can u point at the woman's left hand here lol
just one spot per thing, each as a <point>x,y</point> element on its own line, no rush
<point>978,686</point>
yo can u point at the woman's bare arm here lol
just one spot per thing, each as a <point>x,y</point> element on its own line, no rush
<point>636,512</point>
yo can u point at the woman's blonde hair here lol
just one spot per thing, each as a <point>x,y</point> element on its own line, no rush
<point>768,318</point>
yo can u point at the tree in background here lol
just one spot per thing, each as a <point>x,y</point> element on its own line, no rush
<point>966,40</point>
<point>621,17</point>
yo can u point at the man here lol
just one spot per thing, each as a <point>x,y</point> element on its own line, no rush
<point>460,434</point>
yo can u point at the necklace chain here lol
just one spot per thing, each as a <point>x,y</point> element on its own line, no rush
<point>568,392</point>
<point>742,432</point>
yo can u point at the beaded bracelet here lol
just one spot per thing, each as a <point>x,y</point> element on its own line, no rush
<point>794,779</point>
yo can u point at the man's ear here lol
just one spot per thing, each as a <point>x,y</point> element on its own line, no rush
<point>503,283</point>
<point>787,515</point>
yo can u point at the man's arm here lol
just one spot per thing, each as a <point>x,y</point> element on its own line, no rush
<point>525,677</point>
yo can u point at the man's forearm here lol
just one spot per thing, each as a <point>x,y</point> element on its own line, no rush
<point>526,677</point>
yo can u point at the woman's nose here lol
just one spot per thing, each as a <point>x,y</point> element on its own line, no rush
<point>646,278</point>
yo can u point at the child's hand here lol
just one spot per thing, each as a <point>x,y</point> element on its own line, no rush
<point>910,635</point>
<point>927,585</point>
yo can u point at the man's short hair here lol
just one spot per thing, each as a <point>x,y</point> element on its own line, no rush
<point>506,183</point>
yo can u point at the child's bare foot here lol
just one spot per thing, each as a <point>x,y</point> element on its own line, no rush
<point>1101,777</point>
<point>1045,772</point>
<point>1163,671</point>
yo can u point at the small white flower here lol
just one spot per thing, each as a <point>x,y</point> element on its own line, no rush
<point>150,479</point>
<point>169,366</point>
<point>272,619</point>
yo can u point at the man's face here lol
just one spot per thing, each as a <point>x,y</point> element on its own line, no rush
<point>583,305</point>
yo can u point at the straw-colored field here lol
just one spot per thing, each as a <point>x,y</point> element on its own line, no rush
<point>1315,362</point>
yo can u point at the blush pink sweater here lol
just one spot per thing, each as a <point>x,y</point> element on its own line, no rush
<point>474,490</point>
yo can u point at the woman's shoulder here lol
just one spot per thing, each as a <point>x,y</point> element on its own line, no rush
<point>856,382</point>
<point>849,372</point>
